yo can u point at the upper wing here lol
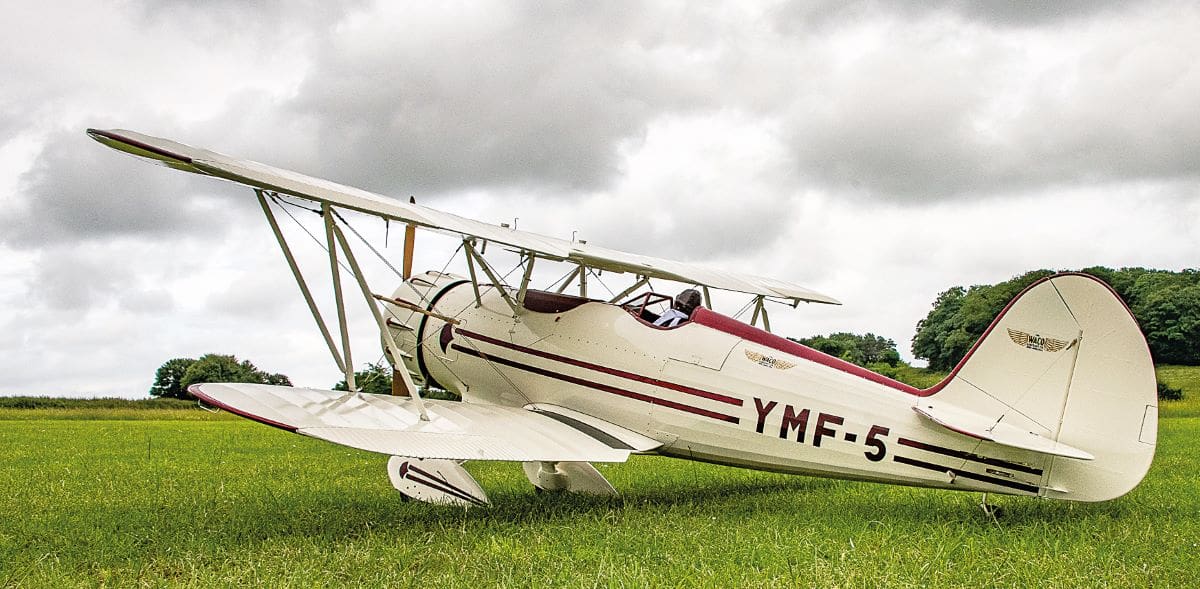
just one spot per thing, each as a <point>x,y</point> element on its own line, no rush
<point>250,173</point>
<point>455,431</point>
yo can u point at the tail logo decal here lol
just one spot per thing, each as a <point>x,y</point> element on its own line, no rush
<point>1037,342</point>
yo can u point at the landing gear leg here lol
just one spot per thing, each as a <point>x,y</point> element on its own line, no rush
<point>989,510</point>
<point>572,477</point>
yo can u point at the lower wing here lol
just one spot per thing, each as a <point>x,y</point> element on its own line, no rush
<point>454,431</point>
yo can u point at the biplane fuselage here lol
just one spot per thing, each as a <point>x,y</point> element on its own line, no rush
<point>712,389</point>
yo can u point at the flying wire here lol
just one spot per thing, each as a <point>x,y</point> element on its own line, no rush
<point>368,244</point>
<point>596,275</point>
<point>319,243</point>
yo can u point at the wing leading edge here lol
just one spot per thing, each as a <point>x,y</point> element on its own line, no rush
<point>201,161</point>
<point>455,431</point>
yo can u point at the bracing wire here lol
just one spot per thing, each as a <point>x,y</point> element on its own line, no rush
<point>319,243</point>
<point>596,275</point>
<point>561,278</point>
<point>368,244</point>
<point>744,308</point>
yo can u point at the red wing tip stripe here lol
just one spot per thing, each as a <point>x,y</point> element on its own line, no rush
<point>970,456</point>
<point>598,386</point>
<point>433,482</point>
<point>195,391</point>
<point>111,136</point>
<point>606,370</point>
<point>967,474</point>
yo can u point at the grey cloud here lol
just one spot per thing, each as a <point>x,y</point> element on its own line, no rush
<point>268,19</point>
<point>801,17</point>
<point>522,98</point>
<point>1027,13</point>
<point>74,279</point>
<point>78,190</point>
<point>945,112</point>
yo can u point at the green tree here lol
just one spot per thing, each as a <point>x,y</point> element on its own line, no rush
<point>1167,307</point>
<point>940,334</point>
<point>858,349</point>
<point>376,378</point>
<point>168,379</point>
<point>1165,304</point>
<point>174,377</point>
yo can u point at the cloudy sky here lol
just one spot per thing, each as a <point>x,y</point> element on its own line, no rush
<point>879,152</point>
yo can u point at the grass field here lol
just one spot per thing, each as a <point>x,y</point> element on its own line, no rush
<point>122,499</point>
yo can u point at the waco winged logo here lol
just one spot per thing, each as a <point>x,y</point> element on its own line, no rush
<point>1037,342</point>
<point>768,361</point>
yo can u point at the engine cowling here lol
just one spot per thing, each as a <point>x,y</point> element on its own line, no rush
<point>408,326</point>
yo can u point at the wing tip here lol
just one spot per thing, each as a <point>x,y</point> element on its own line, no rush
<point>122,140</point>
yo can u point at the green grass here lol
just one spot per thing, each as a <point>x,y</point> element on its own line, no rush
<point>217,502</point>
<point>105,494</point>
<point>103,408</point>
<point>1187,379</point>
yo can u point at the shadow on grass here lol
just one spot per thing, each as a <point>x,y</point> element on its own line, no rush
<point>803,501</point>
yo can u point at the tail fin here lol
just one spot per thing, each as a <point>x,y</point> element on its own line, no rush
<point>1063,371</point>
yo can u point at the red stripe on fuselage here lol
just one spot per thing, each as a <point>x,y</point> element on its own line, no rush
<point>598,386</point>
<point>606,370</point>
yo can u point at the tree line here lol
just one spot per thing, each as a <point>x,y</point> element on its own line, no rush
<point>1165,304</point>
<point>173,378</point>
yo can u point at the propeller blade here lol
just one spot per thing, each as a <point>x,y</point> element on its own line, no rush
<point>410,241</point>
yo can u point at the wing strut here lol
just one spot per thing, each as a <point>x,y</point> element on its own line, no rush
<point>388,340</point>
<point>569,279</point>
<point>529,259</point>
<point>760,309</point>
<point>327,214</point>
<point>642,281</point>
<point>308,298</point>
<point>469,246</point>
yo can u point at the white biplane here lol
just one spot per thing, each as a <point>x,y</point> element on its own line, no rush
<point>1057,399</point>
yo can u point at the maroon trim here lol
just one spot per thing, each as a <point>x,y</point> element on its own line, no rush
<point>969,456</point>
<point>196,392</point>
<point>606,370</point>
<point>540,301</point>
<point>445,336</point>
<point>437,484</point>
<point>966,474</point>
<point>737,328</point>
<point>138,144</point>
<point>597,386</point>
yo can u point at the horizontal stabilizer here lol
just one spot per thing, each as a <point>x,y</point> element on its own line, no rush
<point>978,426</point>
<point>392,425</point>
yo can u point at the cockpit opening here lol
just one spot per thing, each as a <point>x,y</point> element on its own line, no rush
<point>663,311</point>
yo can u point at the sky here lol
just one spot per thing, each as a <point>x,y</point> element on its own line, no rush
<point>877,152</point>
